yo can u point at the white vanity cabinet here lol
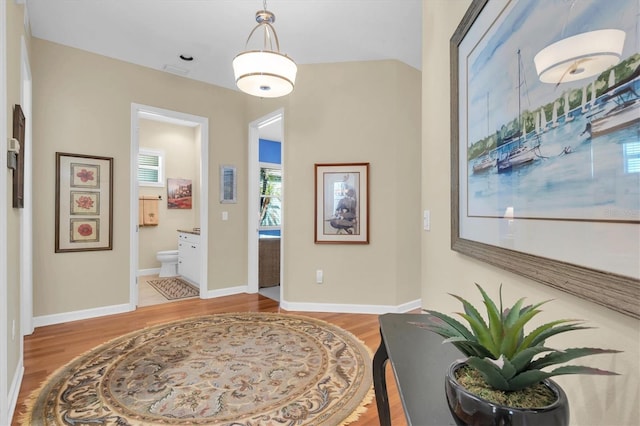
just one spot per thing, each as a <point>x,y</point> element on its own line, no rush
<point>189,256</point>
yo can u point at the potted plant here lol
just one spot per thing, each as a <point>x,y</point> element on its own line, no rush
<point>502,381</point>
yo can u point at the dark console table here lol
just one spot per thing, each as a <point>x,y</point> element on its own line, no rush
<point>419,360</point>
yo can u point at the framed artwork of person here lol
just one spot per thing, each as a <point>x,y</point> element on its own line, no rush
<point>342,203</point>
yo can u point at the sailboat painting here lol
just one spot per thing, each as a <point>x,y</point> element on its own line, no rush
<point>565,151</point>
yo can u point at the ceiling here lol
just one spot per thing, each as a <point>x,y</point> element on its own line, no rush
<point>154,33</point>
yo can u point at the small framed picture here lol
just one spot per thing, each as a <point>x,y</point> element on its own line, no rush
<point>84,203</point>
<point>342,203</point>
<point>228,185</point>
<point>179,193</point>
<point>84,207</point>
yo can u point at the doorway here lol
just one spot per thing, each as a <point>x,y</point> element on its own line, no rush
<point>139,112</point>
<point>266,208</point>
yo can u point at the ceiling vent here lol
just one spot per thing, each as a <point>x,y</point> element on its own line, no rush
<point>175,70</point>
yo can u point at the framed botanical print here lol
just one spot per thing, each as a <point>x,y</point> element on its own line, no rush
<point>84,207</point>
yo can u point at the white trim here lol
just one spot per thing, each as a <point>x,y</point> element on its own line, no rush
<point>229,291</point>
<point>150,271</point>
<point>134,226</point>
<point>4,343</point>
<point>253,208</point>
<point>83,314</point>
<point>350,308</point>
<point>188,119</point>
<point>253,212</point>
<point>26,219</point>
<point>14,389</point>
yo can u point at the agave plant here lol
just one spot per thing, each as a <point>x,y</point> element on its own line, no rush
<point>501,352</point>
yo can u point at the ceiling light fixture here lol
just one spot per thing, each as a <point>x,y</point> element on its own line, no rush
<point>265,73</point>
<point>580,56</point>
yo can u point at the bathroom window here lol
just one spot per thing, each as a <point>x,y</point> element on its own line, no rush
<point>150,167</point>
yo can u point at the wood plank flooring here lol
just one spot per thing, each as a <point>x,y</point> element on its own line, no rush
<point>50,347</point>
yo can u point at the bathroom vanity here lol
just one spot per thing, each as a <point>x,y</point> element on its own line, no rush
<point>189,255</point>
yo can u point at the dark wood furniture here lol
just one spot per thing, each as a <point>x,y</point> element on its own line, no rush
<point>268,262</point>
<point>419,360</point>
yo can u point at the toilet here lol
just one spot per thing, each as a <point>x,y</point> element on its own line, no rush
<point>169,261</point>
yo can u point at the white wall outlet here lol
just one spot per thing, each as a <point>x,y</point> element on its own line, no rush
<point>319,276</point>
<point>426,220</point>
<point>225,215</point>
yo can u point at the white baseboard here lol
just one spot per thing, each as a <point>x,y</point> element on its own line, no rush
<point>289,306</point>
<point>409,306</point>
<point>14,390</point>
<point>80,315</point>
<point>151,271</point>
<point>350,308</point>
<point>226,291</point>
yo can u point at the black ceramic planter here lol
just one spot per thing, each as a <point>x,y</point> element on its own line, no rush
<point>470,410</point>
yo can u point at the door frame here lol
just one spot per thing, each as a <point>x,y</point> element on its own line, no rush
<point>253,212</point>
<point>26,220</point>
<point>4,335</point>
<point>178,118</point>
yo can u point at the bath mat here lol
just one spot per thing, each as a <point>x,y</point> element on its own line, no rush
<point>174,288</point>
<point>241,369</point>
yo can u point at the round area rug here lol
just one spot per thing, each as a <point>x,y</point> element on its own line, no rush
<point>240,369</point>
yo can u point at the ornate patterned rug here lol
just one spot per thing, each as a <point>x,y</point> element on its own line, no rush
<point>174,288</point>
<point>240,369</point>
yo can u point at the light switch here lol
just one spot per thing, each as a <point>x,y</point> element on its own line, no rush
<point>427,220</point>
<point>225,215</point>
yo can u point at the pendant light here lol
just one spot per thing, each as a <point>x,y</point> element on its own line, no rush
<point>265,73</point>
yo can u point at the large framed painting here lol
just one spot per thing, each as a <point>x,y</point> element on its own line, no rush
<point>84,207</point>
<point>342,203</point>
<point>546,167</point>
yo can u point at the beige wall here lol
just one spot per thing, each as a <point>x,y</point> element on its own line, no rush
<point>593,400</point>
<point>332,116</point>
<point>82,104</point>
<point>341,113</point>
<point>182,160</point>
<point>355,112</point>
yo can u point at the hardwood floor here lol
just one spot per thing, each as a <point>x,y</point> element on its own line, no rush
<point>50,347</point>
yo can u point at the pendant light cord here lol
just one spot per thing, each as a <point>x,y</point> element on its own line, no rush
<point>265,19</point>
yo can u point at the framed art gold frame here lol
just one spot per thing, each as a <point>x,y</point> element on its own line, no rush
<point>342,203</point>
<point>84,207</point>
<point>582,246</point>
